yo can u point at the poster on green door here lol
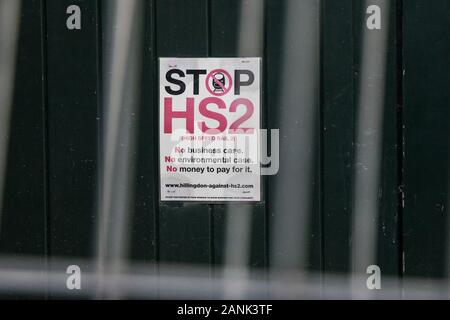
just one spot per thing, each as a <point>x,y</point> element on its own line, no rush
<point>209,111</point>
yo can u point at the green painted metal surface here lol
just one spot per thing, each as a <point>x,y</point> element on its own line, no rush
<point>52,181</point>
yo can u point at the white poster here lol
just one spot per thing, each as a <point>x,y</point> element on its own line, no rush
<point>209,129</point>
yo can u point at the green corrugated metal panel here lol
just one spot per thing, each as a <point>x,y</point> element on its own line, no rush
<point>426,117</point>
<point>23,217</point>
<point>313,77</point>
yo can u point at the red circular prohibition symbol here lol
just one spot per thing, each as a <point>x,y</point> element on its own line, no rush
<point>214,79</point>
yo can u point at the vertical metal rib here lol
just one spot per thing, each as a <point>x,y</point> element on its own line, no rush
<point>298,114</point>
<point>9,34</point>
<point>239,217</point>
<point>368,147</point>
<point>122,92</point>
